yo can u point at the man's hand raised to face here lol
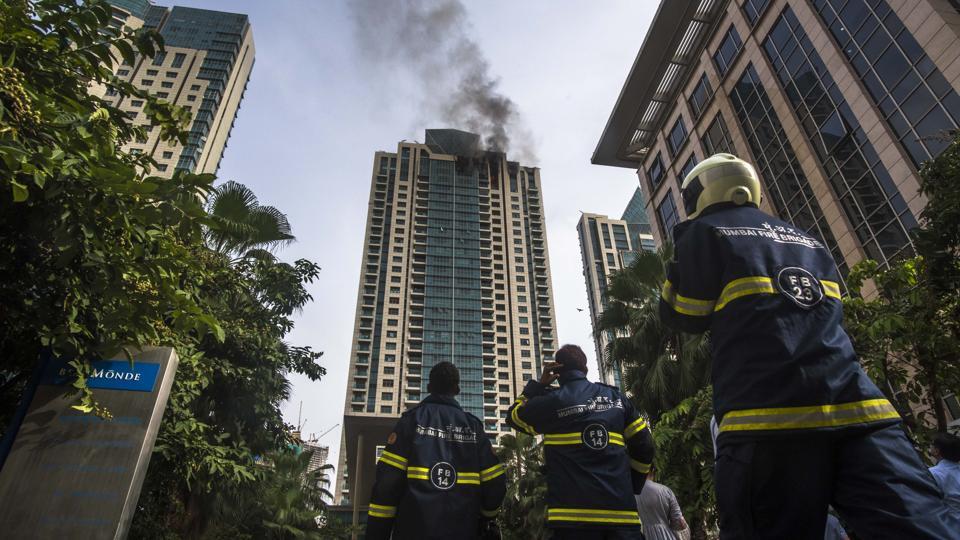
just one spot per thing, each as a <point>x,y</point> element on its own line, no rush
<point>550,373</point>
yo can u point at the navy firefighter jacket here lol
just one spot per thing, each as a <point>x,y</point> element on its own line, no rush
<point>598,450</point>
<point>770,296</point>
<point>437,478</point>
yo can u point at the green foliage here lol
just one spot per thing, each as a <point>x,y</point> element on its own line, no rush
<point>98,254</point>
<point>93,249</point>
<point>242,224</point>
<point>905,318</point>
<point>685,459</point>
<point>662,367</point>
<point>523,514</point>
<point>667,375</point>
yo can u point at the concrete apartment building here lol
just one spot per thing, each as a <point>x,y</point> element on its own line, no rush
<point>455,267</point>
<point>608,245</point>
<point>205,69</point>
<point>836,102</point>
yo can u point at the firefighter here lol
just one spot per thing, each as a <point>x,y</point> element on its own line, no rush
<point>800,424</point>
<point>438,477</point>
<point>598,450</point>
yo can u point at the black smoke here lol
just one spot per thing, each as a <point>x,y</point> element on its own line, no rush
<point>433,41</point>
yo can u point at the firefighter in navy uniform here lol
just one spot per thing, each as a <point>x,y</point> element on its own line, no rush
<point>438,477</point>
<point>598,450</point>
<point>800,424</point>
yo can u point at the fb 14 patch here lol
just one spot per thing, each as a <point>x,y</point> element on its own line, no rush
<point>801,286</point>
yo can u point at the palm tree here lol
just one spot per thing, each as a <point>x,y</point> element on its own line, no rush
<point>241,227</point>
<point>663,367</point>
<point>523,514</point>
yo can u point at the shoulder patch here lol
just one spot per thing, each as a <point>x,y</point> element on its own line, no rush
<point>392,438</point>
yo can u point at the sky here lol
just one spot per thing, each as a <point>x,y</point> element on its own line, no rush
<point>316,110</point>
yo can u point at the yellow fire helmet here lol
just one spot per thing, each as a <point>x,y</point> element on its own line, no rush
<point>719,179</point>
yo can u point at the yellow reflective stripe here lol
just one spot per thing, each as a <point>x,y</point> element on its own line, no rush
<point>857,412</point>
<point>393,463</point>
<point>831,288</point>
<point>489,474</point>
<point>490,513</point>
<point>395,457</point>
<point>516,416</point>
<point>381,511</point>
<point>418,473</point>
<point>684,304</point>
<point>744,287</point>
<point>468,478</point>
<point>639,466</point>
<point>562,438</point>
<point>593,515</point>
<point>635,427</point>
<point>577,438</point>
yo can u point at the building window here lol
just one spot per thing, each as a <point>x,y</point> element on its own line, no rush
<point>167,155</point>
<point>727,51</point>
<point>777,163</point>
<point>194,87</point>
<point>123,72</point>
<point>178,60</point>
<point>655,172</point>
<point>191,98</point>
<point>701,94</point>
<point>668,216</point>
<point>136,103</point>
<point>146,82</point>
<point>162,167</point>
<point>916,100</point>
<point>152,72</point>
<point>753,9</point>
<point>159,58</point>
<point>171,74</point>
<point>677,136</point>
<point>166,84</point>
<point>716,139</point>
<point>685,170</point>
<point>870,200</point>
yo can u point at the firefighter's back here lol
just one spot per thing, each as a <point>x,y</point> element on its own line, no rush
<point>443,473</point>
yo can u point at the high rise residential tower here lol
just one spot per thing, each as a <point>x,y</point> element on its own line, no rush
<point>836,102</point>
<point>205,68</point>
<point>454,268</point>
<point>608,245</point>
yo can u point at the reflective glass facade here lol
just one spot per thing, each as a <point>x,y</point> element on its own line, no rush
<point>716,139</point>
<point>777,162</point>
<point>451,313</point>
<point>916,100</point>
<point>871,202</point>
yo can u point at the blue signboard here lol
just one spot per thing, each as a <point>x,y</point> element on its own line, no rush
<point>107,374</point>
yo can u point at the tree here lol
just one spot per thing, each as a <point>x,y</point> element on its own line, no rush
<point>523,513</point>
<point>93,247</point>
<point>685,459</point>
<point>242,224</point>
<point>905,318</point>
<point>667,375</point>
<point>663,367</point>
<point>99,255</point>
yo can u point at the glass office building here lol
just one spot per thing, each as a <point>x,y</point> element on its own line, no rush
<point>455,268</point>
<point>837,103</point>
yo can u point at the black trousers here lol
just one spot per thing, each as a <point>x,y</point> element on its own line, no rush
<point>597,534</point>
<point>780,488</point>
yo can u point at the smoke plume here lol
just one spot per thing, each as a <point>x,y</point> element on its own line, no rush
<point>432,41</point>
